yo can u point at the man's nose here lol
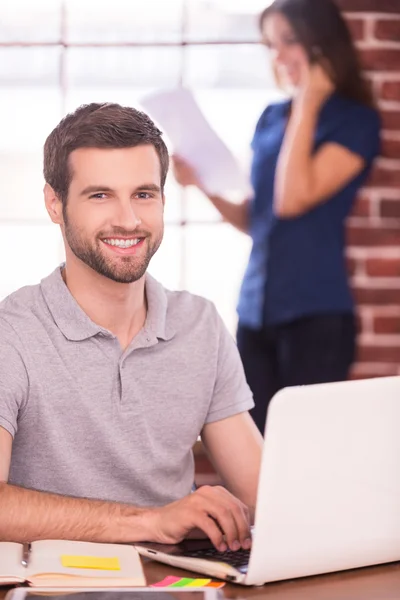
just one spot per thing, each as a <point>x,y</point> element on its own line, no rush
<point>127,216</point>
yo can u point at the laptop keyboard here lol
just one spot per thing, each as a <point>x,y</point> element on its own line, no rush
<point>239,559</point>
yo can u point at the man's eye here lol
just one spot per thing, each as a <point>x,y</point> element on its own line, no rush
<point>98,196</point>
<point>144,195</point>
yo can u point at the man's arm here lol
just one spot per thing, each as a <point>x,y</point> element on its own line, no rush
<point>32,515</point>
<point>5,454</point>
<point>27,515</point>
<point>234,446</point>
<point>229,434</point>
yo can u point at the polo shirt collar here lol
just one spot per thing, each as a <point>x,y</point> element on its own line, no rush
<point>75,324</point>
<point>157,322</point>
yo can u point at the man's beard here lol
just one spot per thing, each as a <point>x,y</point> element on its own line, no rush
<point>123,269</point>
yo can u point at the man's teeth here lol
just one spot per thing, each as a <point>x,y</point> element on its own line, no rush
<point>122,243</point>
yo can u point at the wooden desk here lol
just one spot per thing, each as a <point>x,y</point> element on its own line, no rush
<point>375,583</point>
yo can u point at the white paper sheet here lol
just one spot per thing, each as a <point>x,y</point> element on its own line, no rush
<point>192,137</point>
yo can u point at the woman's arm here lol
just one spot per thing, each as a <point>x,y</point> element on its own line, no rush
<point>235,214</point>
<point>304,179</point>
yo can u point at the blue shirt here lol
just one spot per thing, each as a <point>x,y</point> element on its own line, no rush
<point>297,266</point>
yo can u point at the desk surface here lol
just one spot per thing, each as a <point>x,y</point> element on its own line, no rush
<point>375,583</point>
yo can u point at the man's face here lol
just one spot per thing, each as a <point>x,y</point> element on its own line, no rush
<point>113,219</point>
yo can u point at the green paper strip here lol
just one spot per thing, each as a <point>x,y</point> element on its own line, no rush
<point>181,583</point>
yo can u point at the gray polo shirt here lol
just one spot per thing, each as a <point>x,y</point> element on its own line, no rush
<point>89,420</point>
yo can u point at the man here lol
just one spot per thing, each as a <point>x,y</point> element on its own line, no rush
<point>107,378</point>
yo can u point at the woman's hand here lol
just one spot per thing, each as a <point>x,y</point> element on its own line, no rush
<point>184,173</point>
<point>236,214</point>
<point>316,85</point>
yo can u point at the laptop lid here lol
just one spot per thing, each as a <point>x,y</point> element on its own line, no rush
<point>329,491</point>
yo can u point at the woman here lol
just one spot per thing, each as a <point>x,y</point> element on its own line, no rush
<point>312,153</point>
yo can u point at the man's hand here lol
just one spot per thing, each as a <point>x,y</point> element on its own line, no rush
<point>213,510</point>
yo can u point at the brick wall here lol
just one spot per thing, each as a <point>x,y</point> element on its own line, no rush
<point>374,228</point>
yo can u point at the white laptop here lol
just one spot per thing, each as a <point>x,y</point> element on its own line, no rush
<point>329,491</point>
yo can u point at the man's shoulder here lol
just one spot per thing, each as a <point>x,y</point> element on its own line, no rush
<point>186,308</point>
<point>18,307</point>
<point>174,312</point>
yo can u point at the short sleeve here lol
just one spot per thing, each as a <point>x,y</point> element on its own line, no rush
<point>261,124</point>
<point>13,380</point>
<point>231,394</point>
<point>358,130</point>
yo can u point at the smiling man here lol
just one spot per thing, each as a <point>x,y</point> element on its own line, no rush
<point>107,378</point>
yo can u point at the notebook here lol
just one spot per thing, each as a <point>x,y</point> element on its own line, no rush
<point>61,563</point>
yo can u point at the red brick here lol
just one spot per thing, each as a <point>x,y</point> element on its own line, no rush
<point>390,209</point>
<point>383,267</point>
<point>203,464</point>
<point>380,296</point>
<point>382,177</point>
<point>391,148</point>
<point>357,28</point>
<point>372,236</point>
<point>391,90</point>
<point>388,29</point>
<point>387,325</point>
<point>362,207</point>
<point>383,6</point>
<point>380,59</point>
<point>390,119</point>
<point>378,354</point>
<point>204,472</point>
<point>370,373</point>
<point>208,479</point>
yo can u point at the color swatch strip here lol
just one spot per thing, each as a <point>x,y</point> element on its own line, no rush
<point>184,582</point>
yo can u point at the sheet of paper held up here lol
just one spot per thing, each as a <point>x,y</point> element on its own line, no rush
<point>192,137</point>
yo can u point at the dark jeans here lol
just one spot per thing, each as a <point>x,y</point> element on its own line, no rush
<point>315,349</point>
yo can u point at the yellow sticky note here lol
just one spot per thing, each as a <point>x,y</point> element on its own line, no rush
<point>198,583</point>
<point>90,562</point>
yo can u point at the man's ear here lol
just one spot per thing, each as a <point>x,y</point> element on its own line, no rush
<point>53,205</point>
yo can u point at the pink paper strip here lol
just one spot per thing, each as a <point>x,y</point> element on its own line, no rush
<point>166,582</point>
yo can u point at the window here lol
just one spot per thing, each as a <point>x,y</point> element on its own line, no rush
<point>56,55</point>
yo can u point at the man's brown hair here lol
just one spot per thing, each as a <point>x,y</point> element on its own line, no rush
<point>98,126</point>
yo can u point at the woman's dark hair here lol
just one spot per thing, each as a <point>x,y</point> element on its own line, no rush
<point>323,32</point>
